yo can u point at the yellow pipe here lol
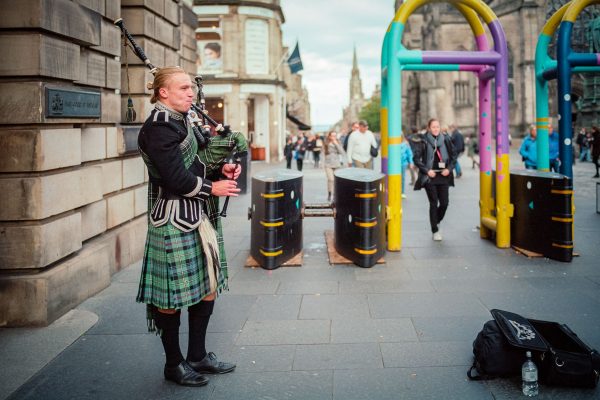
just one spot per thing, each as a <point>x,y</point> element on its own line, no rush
<point>486,204</point>
<point>576,8</point>
<point>395,209</point>
<point>490,223</point>
<point>504,209</point>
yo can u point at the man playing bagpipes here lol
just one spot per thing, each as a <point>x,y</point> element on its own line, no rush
<point>183,263</point>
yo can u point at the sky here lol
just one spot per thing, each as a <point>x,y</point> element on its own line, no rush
<point>327,30</point>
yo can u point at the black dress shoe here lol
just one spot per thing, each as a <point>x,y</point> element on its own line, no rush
<point>184,375</point>
<point>210,365</point>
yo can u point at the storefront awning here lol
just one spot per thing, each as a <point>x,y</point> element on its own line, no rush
<point>301,125</point>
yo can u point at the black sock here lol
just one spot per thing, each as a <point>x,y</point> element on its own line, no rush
<point>168,324</point>
<point>199,315</point>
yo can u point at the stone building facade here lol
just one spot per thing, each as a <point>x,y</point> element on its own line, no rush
<point>73,190</point>
<point>245,84</point>
<point>452,96</point>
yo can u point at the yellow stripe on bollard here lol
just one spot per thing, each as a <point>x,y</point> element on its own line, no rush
<point>271,253</point>
<point>365,252</point>
<point>271,224</point>
<point>365,195</point>
<point>271,195</point>
<point>365,224</point>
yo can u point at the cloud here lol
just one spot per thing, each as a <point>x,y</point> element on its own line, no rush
<point>327,31</point>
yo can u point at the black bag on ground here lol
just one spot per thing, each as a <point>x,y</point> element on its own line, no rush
<point>561,357</point>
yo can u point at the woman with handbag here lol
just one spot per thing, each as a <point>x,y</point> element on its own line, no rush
<point>435,158</point>
<point>334,152</point>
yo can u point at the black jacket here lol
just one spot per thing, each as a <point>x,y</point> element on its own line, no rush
<point>424,164</point>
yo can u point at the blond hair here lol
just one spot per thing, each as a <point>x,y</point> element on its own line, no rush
<point>161,80</point>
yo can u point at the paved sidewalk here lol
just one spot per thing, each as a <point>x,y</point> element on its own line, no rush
<point>401,330</point>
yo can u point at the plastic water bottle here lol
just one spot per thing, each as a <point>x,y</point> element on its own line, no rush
<point>529,373</point>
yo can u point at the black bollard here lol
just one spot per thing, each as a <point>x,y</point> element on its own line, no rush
<point>360,215</point>
<point>276,233</point>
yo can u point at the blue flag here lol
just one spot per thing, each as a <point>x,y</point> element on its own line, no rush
<point>294,61</point>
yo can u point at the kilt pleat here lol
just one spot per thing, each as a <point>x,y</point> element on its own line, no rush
<point>173,273</point>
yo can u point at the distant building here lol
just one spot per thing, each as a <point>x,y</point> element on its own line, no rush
<point>242,59</point>
<point>452,96</point>
<point>357,99</point>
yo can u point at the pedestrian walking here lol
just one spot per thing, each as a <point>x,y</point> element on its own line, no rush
<point>435,158</point>
<point>458,141</point>
<point>300,152</point>
<point>528,150</point>
<point>553,149</point>
<point>316,150</point>
<point>334,156</point>
<point>176,270</point>
<point>595,142</point>
<point>359,147</point>
<point>288,152</point>
<point>473,150</point>
<point>406,157</point>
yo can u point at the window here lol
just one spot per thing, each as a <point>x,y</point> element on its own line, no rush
<point>462,93</point>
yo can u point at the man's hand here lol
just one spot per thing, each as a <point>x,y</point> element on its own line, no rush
<point>231,171</point>
<point>431,173</point>
<point>225,188</point>
<point>445,172</point>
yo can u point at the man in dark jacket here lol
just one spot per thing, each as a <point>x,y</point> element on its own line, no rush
<point>458,141</point>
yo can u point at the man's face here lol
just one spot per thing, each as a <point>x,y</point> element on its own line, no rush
<point>533,132</point>
<point>179,93</point>
<point>354,127</point>
<point>362,128</point>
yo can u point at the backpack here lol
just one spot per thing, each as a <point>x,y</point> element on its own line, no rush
<point>493,355</point>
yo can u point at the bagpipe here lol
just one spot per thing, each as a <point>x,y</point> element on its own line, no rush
<point>226,147</point>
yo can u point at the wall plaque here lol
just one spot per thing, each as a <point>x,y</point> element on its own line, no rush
<point>68,103</point>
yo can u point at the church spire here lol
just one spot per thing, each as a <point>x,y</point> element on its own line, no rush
<point>356,92</point>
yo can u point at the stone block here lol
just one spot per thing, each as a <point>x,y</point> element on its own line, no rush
<point>39,197</point>
<point>163,32</point>
<point>62,17</point>
<point>93,144</point>
<point>39,299</point>
<point>110,38</point>
<point>119,208</point>
<point>39,244</point>
<point>113,9</point>
<point>112,142</point>
<point>141,104</point>
<point>171,12</point>
<point>93,68</point>
<point>155,5</point>
<point>188,66</point>
<point>113,73</point>
<point>171,57</point>
<point>93,219</point>
<point>111,111</point>
<point>126,243</point>
<point>139,21</point>
<point>112,176</point>
<point>139,76</point>
<point>188,36</point>
<point>25,103</point>
<point>34,54</point>
<point>140,200</point>
<point>154,51</point>
<point>36,149</point>
<point>133,171</point>
<point>95,5</point>
<point>188,53</point>
<point>177,38</point>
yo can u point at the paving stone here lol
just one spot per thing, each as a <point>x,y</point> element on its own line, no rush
<point>424,304</point>
<point>506,389</point>
<point>385,286</point>
<point>382,272</point>
<point>263,358</point>
<point>334,307</point>
<point>487,284</point>
<point>430,354</point>
<point>271,307</point>
<point>300,385</point>
<point>447,329</point>
<point>407,383</point>
<point>310,287</point>
<point>240,287</point>
<point>337,356</point>
<point>372,330</point>
<point>230,313</point>
<point>284,332</point>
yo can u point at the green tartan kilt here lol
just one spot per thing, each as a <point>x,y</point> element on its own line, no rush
<point>173,272</point>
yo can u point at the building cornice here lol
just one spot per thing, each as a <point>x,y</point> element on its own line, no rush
<point>274,7</point>
<point>236,81</point>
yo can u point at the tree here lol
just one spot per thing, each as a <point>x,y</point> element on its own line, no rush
<point>370,113</point>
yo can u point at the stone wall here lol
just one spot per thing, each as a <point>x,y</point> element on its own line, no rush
<point>72,185</point>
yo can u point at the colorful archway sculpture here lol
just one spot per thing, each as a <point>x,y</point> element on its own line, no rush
<point>495,213</point>
<point>546,69</point>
